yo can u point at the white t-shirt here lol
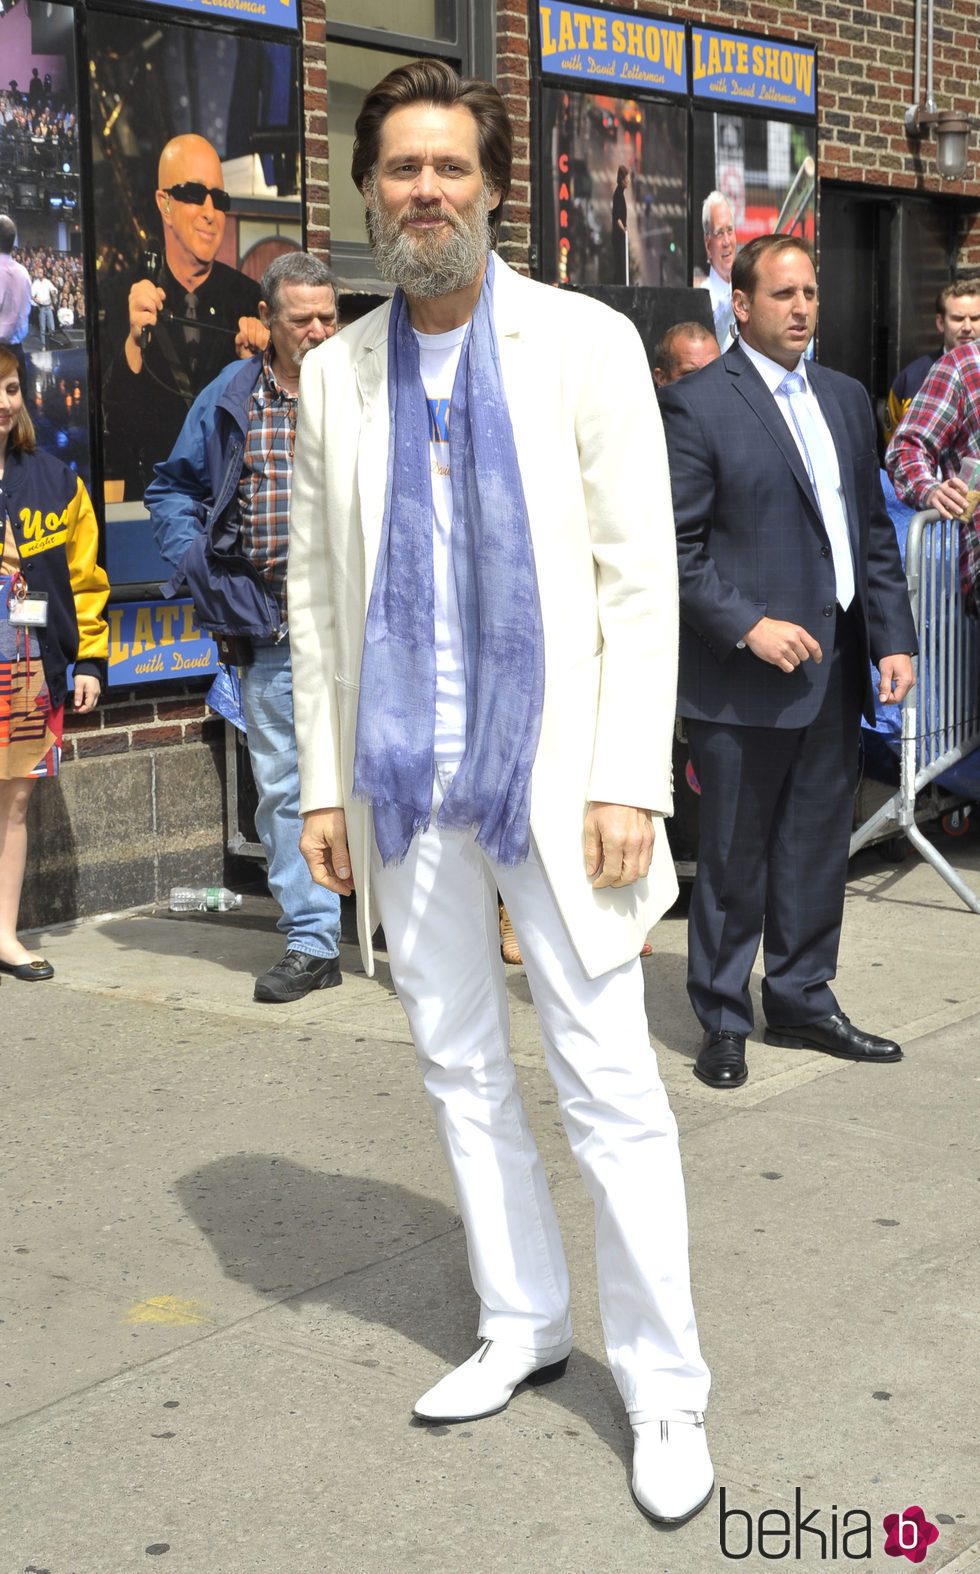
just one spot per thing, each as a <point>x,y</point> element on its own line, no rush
<point>438,360</point>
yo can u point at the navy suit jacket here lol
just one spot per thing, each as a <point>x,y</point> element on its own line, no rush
<point>751,542</point>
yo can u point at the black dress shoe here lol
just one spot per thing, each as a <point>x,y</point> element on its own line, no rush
<point>295,976</point>
<point>835,1035</point>
<point>721,1060</point>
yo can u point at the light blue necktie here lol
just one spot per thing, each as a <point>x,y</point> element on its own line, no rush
<point>824,473</point>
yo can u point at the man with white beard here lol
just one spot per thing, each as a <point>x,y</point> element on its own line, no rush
<point>479,587</point>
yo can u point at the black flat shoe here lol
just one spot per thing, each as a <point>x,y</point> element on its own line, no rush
<point>29,972</point>
<point>721,1060</point>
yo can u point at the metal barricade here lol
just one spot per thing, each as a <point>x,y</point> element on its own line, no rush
<point>941,714</point>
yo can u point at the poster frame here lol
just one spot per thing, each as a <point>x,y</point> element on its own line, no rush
<point>128,542</point>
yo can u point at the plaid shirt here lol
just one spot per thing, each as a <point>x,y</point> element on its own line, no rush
<point>266,479</point>
<point>939,429</point>
<point>940,426</point>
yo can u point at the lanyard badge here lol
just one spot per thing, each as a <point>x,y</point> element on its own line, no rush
<point>26,608</point>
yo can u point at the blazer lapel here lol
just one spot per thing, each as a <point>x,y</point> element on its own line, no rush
<point>752,388</point>
<point>371,373</point>
<point>518,372</point>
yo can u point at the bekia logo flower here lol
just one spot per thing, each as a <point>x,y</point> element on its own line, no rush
<point>909,1535</point>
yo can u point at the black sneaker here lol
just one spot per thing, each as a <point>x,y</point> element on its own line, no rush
<point>296,975</point>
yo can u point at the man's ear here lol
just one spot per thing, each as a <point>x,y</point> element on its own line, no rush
<point>740,305</point>
<point>163,203</point>
<point>265,315</point>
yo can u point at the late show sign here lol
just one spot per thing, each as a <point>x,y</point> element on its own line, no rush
<point>151,641</point>
<point>766,73</point>
<point>606,47</point>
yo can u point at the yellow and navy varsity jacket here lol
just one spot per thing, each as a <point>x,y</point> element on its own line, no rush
<point>50,513</point>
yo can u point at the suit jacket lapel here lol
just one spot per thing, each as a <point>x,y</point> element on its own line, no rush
<point>371,372</point>
<point>752,388</point>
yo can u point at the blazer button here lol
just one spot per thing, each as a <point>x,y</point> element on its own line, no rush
<point>828,612</point>
<point>824,551</point>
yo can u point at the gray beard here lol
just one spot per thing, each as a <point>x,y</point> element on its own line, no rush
<point>428,266</point>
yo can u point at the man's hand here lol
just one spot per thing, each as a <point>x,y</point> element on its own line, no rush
<point>87,691</point>
<point>324,846</point>
<point>896,677</point>
<point>251,338</point>
<point>145,304</point>
<point>783,645</point>
<point>948,498</point>
<point>618,844</point>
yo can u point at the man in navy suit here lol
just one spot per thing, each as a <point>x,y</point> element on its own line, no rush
<point>790,578</point>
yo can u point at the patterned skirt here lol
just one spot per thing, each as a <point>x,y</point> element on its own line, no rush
<point>30,730</point>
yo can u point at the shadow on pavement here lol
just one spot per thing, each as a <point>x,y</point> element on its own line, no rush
<point>368,1249</point>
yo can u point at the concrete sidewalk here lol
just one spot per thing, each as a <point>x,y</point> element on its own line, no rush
<point>232,1262</point>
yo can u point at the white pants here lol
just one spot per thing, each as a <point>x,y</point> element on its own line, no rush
<point>439,912</point>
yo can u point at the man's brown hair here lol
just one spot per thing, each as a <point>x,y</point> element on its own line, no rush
<point>745,268</point>
<point>955,292</point>
<point>433,82</point>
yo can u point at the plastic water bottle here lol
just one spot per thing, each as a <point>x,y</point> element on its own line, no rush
<point>203,899</point>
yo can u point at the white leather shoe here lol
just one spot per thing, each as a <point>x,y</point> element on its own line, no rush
<point>486,1382</point>
<point>672,1472</point>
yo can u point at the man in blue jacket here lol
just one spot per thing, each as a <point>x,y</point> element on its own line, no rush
<point>220,511</point>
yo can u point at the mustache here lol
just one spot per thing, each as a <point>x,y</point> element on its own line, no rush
<point>426,211</point>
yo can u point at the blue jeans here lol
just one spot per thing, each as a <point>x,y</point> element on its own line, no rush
<point>310,913</point>
<point>45,324</point>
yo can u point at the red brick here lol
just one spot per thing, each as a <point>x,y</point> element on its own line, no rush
<point>126,715</point>
<point>104,743</point>
<point>155,737</point>
<point>189,709</point>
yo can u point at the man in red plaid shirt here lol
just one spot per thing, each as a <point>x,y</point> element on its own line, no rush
<point>939,431</point>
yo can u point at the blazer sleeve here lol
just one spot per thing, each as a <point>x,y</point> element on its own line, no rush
<point>711,603</point>
<point>891,626</point>
<point>623,464</point>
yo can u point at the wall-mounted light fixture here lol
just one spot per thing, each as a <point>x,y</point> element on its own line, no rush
<point>952,136</point>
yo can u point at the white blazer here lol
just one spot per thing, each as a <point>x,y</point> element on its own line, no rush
<point>594,469</point>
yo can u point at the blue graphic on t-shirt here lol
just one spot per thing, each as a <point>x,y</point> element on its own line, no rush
<point>438,420</point>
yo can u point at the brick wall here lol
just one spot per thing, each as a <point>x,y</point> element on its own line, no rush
<point>864,85</point>
<point>130,720</point>
<point>131,813</point>
<point>315,110</point>
<point>513,80</point>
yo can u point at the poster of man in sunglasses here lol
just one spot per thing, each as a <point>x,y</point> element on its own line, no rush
<point>178,284</point>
